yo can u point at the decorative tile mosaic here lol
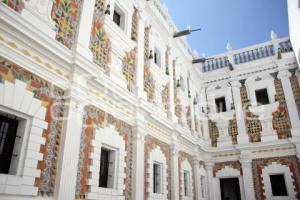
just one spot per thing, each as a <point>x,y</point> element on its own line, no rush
<point>165,95</point>
<point>189,117</point>
<point>66,15</point>
<point>233,130</point>
<point>134,27</point>
<point>150,144</point>
<point>16,5</point>
<point>129,69</point>
<point>100,43</point>
<point>254,127</point>
<point>281,120</point>
<point>258,164</point>
<point>232,164</point>
<point>95,118</point>
<point>149,84</point>
<point>52,98</point>
<point>214,133</point>
<point>296,90</point>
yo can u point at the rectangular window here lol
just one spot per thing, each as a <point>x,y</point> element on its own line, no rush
<point>278,185</point>
<point>117,18</point>
<point>186,179</point>
<point>157,57</point>
<point>8,132</point>
<point>157,178</point>
<point>220,104</point>
<point>107,168</point>
<point>262,97</point>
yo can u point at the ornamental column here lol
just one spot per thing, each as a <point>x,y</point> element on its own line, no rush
<point>284,76</point>
<point>174,172</point>
<point>138,174</point>
<point>242,137</point>
<point>140,57</point>
<point>197,179</point>
<point>248,178</point>
<point>85,28</point>
<point>210,177</point>
<point>171,85</point>
<point>70,144</point>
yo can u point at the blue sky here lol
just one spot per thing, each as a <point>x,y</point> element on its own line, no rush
<point>241,22</point>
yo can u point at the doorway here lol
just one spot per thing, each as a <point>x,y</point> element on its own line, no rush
<point>230,189</point>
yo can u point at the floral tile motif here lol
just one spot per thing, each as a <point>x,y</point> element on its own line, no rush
<point>134,27</point>
<point>296,90</point>
<point>129,69</point>
<point>149,84</point>
<point>165,96</point>
<point>100,44</point>
<point>52,98</point>
<point>233,130</point>
<point>189,117</point>
<point>66,15</point>
<point>281,120</point>
<point>16,5</point>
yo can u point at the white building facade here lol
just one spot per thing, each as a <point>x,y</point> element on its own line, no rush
<point>99,101</point>
<point>294,16</point>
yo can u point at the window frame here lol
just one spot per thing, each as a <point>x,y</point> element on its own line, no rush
<point>21,141</point>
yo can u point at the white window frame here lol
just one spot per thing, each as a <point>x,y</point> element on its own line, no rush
<point>24,121</point>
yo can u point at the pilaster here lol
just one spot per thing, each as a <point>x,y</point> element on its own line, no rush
<point>85,28</point>
<point>138,160</point>
<point>140,57</point>
<point>248,178</point>
<point>210,177</point>
<point>70,143</point>
<point>174,172</point>
<point>284,76</point>
<point>197,179</point>
<point>242,137</point>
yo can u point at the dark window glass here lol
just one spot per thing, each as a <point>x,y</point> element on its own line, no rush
<point>8,132</point>
<point>221,104</point>
<point>186,180</point>
<point>262,97</point>
<point>117,18</point>
<point>104,166</point>
<point>156,178</point>
<point>278,185</point>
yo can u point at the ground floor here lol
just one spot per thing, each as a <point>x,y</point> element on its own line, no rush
<point>62,147</point>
